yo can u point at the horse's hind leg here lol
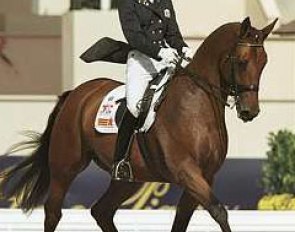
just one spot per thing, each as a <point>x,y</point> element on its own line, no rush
<point>185,209</point>
<point>53,204</point>
<point>198,187</point>
<point>59,185</point>
<point>104,209</point>
<point>62,172</point>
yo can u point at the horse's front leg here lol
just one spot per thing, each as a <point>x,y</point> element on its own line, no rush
<point>192,179</point>
<point>185,209</point>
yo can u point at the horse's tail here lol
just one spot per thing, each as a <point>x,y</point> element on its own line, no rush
<point>29,180</point>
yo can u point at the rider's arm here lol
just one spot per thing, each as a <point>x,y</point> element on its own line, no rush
<point>173,35</point>
<point>132,29</point>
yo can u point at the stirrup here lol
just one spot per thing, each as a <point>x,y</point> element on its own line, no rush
<point>122,170</point>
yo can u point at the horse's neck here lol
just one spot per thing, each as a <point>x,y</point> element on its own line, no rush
<point>206,65</point>
<point>206,62</point>
<point>208,56</point>
<point>190,113</point>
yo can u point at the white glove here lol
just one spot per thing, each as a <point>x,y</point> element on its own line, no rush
<point>169,55</point>
<point>188,53</point>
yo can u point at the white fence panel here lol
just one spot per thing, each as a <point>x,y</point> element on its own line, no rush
<point>151,220</point>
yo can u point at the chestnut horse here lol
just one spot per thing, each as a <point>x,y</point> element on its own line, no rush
<point>187,143</point>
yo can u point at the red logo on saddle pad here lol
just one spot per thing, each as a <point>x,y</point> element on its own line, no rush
<point>105,122</point>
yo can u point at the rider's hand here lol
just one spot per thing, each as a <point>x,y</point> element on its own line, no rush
<point>188,53</point>
<point>188,56</point>
<point>169,55</point>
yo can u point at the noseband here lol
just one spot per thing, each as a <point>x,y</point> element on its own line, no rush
<point>234,88</point>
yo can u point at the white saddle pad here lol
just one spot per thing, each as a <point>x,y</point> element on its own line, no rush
<point>105,119</point>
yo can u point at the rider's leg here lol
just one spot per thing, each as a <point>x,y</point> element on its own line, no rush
<point>139,72</point>
<point>122,168</point>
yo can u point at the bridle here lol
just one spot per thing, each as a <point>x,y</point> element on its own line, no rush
<point>236,89</point>
<point>231,88</point>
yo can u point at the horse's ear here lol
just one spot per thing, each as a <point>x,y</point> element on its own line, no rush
<point>268,29</point>
<point>245,27</point>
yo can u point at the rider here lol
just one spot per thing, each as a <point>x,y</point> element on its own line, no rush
<point>151,29</point>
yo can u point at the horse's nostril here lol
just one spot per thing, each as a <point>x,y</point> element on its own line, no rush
<point>245,113</point>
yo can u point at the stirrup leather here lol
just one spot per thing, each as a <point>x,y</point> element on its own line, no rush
<point>122,170</point>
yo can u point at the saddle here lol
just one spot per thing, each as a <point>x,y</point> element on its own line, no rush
<point>114,103</point>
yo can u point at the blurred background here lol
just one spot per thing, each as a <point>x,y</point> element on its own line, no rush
<point>40,45</point>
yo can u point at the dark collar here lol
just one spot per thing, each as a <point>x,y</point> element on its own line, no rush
<point>150,6</point>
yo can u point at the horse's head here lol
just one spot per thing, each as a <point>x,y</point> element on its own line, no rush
<point>244,67</point>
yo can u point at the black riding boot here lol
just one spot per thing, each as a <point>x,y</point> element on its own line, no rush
<point>121,168</point>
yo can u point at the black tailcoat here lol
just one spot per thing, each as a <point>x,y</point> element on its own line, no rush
<point>148,27</point>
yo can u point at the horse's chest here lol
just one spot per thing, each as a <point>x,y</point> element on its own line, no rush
<point>210,152</point>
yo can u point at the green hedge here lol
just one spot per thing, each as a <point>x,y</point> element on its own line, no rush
<point>278,171</point>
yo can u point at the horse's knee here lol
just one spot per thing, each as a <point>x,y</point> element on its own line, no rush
<point>219,213</point>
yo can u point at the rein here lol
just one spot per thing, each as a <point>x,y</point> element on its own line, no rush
<point>208,87</point>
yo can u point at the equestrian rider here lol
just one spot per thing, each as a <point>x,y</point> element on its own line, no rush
<point>151,30</point>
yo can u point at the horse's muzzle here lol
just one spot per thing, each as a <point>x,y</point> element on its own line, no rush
<point>246,114</point>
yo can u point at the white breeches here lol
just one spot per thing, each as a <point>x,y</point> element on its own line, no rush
<point>140,70</point>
